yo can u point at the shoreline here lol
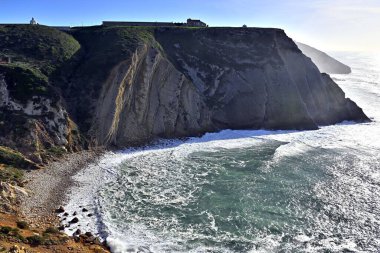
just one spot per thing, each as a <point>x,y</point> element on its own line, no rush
<point>49,187</point>
<point>32,224</point>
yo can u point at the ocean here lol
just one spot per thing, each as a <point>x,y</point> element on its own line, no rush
<point>245,191</point>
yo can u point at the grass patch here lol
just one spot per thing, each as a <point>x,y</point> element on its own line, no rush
<point>15,159</point>
<point>24,82</point>
<point>5,230</point>
<point>12,232</point>
<point>51,230</point>
<point>40,45</point>
<point>55,151</point>
<point>35,240</point>
<point>11,174</point>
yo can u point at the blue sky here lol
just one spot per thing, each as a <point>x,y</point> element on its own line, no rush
<point>327,24</point>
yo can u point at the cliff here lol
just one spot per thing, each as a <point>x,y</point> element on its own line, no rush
<point>324,62</point>
<point>129,85</point>
<point>33,119</point>
<point>171,82</point>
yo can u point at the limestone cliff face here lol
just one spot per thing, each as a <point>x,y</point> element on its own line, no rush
<point>185,82</point>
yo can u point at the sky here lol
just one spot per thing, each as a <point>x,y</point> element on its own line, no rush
<point>329,25</point>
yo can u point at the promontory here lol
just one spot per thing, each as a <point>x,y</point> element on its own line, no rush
<point>122,86</point>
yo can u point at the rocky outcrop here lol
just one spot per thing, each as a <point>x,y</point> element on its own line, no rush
<point>10,197</point>
<point>324,62</point>
<point>36,126</point>
<point>211,79</point>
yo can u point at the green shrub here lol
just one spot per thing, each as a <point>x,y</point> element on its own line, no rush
<point>51,230</point>
<point>10,157</point>
<point>5,230</point>
<point>15,232</point>
<point>35,240</point>
<point>56,151</point>
<point>22,224</point>
<point>11,174</point>
<point>40,45</point>
<point>15,159</point>
<point>24,82</point>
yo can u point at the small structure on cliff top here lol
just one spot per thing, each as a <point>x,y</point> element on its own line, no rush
<point>33,22</point>
<point>195,23</point>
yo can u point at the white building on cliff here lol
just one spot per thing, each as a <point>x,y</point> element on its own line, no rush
<point>33,22</point>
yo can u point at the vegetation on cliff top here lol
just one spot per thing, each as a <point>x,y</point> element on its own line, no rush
<point>40,46</point>
<point>36,52</point>
<point>24,82</point>
<point>106,46</point>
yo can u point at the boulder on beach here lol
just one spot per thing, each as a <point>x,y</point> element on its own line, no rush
<point>77,232</point>
<point>74,220</point>
<point>60,210</point>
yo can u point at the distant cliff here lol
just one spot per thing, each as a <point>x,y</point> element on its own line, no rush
<point>121,86</point>
<point>324,62</point>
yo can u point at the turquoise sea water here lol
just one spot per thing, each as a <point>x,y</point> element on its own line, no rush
<point>246,191</point>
